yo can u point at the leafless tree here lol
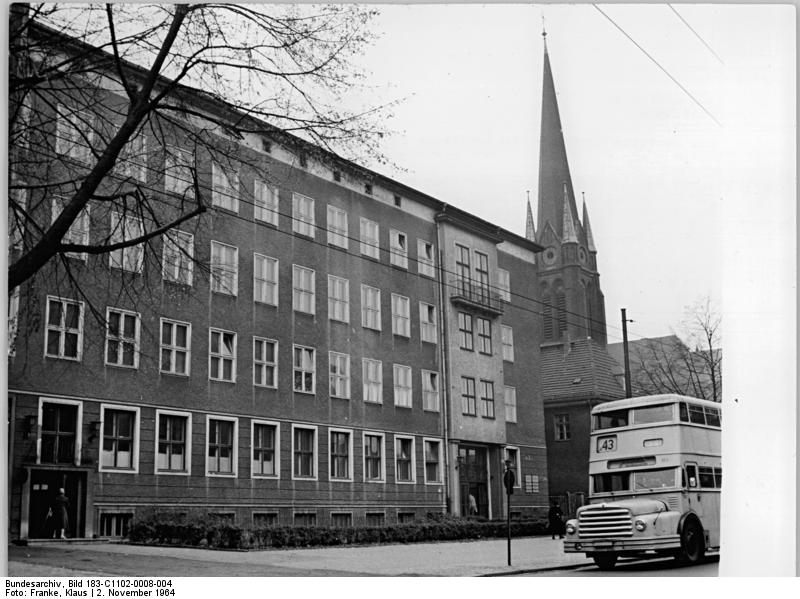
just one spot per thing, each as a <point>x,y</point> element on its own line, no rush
<point>88,84</point>
<point>688,363</point>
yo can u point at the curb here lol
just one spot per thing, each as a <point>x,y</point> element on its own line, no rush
<point>533,570</point>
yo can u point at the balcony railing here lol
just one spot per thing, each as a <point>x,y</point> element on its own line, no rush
<point>476,296</point>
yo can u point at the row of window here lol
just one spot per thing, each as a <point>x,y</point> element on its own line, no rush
<point>120,431</point>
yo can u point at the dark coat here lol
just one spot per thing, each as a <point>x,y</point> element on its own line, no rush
<point>59,507</point>
<point>555,520</point>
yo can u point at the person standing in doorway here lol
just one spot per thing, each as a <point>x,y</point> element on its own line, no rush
<point>58,508</point>
<point>473,505</point>
<point>555,521</point>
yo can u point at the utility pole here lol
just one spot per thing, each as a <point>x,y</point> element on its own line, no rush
<point>625,322</point>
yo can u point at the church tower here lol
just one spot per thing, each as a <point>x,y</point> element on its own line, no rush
<point>573,305</point>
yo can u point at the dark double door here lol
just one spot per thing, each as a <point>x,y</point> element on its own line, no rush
<point>44,488</point>
<point>473,479</point>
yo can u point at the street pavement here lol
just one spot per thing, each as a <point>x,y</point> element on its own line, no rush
<point>464,558</point>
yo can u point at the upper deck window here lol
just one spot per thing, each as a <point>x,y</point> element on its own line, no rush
<point>652,414</point>
<point>610,419</point>
<point>700,414</point>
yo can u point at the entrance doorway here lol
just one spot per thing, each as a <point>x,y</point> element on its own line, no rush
<point>473,480</point>
<point>44,487</point>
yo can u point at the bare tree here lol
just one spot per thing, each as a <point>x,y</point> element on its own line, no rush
<point>92,86</point>
<point>687,363</point>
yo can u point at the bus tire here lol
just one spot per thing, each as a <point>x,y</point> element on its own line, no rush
<point>605,561</point>
<point>692,542</point>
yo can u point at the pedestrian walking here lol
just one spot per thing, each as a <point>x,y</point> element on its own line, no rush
<point>473,505</point>
<point>58,512</point>
<point>555,520</point>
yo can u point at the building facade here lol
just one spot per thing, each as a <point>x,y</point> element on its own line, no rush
<point>323,346</point>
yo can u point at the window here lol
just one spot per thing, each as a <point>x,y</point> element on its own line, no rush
<point>370,244</point>
<point>374,519</point>
<point>341,456</point>
<point>221,355</point>
<point>511,454</point>
<point>225,187</point>
<point>132,159</point>
<point>265,280</point>
<point>305,369</point>
<point>122,338</point>
<point>120,445</point>
<point>507,334</point>
<point>59,425</point>
<point>463,270</point>
<point>172,445</point>
<point>126,228</point>
<point>430,391</point>
<point>221,454</point>
<point>338,299</point>
<point>64,334</point>
<point>305,518</point>
<point>224,268</point>
<point>404,459</point>
<point>78,232</point>
<point>401,317</point>
<point>304,446</point>
<point>266,203</point>
<point>115,524</point>
<point>337,227</point>
<point>178,175</point>
<point>176,341</point>
<point>433,461</point>
<point>487,399</point>
<point>402,386</point>
<point>265,362</point>
<point>302,215</point>
<point>265,442</point>
<point>425,262</point>
<point>468,406</point>
<point>339,375</point>
<point>373,457</point>
<point>178,259</point>
<point>341,520</point>
<point>398,248</point>
<point>484,336</point>
<point>370,307</point>
<point>264,519</point>
<point>406,517</point>
<point>465,337</point>
<point>303,298</point>
<point>75,133</point>
<point>510,396</point>
<point>482,275</point>
<point>427,322</point>
<point>504,284</point>
<point>372,374</point>
<point>562,427</point>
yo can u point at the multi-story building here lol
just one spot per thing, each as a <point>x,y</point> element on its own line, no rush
<point>324,345</point>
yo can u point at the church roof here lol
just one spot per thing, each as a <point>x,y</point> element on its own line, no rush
<point>580,369</point>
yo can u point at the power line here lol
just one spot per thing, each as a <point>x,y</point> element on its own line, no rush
<point>667,73</point>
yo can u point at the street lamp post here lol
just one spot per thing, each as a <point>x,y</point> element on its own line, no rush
<point>508,481</point>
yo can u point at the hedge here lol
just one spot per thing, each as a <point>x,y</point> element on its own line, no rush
<point>160,530</point>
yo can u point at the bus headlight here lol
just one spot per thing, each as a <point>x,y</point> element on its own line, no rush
<point>640,525</point>
<point>570,528</point>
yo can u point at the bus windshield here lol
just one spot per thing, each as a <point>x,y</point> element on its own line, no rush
<point>640,415</point>
<point>663,478</point>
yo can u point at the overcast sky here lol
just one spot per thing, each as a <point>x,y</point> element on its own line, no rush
<point>663,173</point>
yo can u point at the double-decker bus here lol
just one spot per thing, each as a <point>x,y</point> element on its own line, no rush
<point>655,474</point>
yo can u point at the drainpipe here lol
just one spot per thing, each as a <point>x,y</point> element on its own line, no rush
<point>444,386</point>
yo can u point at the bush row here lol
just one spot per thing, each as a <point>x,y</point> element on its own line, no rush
<point>228,536</point>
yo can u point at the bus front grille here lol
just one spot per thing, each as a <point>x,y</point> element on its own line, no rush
<point>605,522</point>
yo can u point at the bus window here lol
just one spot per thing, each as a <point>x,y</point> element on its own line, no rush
<point>652,414</point>
<point>610,419</point>
<point>696,415</point>
<point>691,473</point>
<point>706,477</point>
<point>606,483</point>
<point>712,416</point>
<point>654,479</point>
<point>684,412</point>
<point>718,478</point>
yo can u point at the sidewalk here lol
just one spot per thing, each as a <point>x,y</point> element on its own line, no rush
<point>467,558</point>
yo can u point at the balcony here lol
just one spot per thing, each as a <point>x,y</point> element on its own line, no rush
<point>477,297</point>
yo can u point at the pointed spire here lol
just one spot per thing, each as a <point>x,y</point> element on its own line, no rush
<point>530,230</point>
<point>568,232</point>
<point>588,228</point>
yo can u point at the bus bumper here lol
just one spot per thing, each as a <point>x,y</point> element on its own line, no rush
<point>626,545</point>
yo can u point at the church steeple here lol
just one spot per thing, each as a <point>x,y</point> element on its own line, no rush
<point>588,229</point>
<point>568,232</point>
<point>530,230</point>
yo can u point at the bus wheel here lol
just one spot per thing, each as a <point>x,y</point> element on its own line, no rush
<point>692,543</point>
<point>605,561</point>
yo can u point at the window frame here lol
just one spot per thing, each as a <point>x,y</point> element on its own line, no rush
<point>132,159</point>
<point>234,473</point>
<point>398,255</point>
<point>367,381</point>
<point>440,460</point>
<point>487,403</point>
<point>121,340</point>
<point>135,438</point>
<point>77,435</point>
<point>266,202</point>
<point>296,369</point>
<point>276,448</point>
<point>427,393</point>
<point>187,443</point>
<point>382,458</point>
<point>337,234</point>
<point>484,338</point>
<point>178,161</point>
<point>510,407</point>
<point>412,460</point>
<point>79,231</point>
<point>314,452</point>
<point>507,342</point>
<point>401,318</point>
<point>369,245</point>
<point>262,284</point>
<point>370,312</point>
<point>338,376</point>
<point>121,259</point>
<point>400,391</point>
<point>63,330</point>
<point>221,357</point>
<point>504,284</point>
<point>426,266</point>
<point>172,348</point>
<point>300,292</point>
<point>561,427</point>
<point>428,332</point>
<point>68,133</point>
<point>222,271</point>
<point>335,286</point>
<point>466,333</point>
<point>350,457</point>
<point>469,403</point>
<point>264,363</point>
<point>181,260</point>
<point>303,217</point>
<point>224,192</point>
